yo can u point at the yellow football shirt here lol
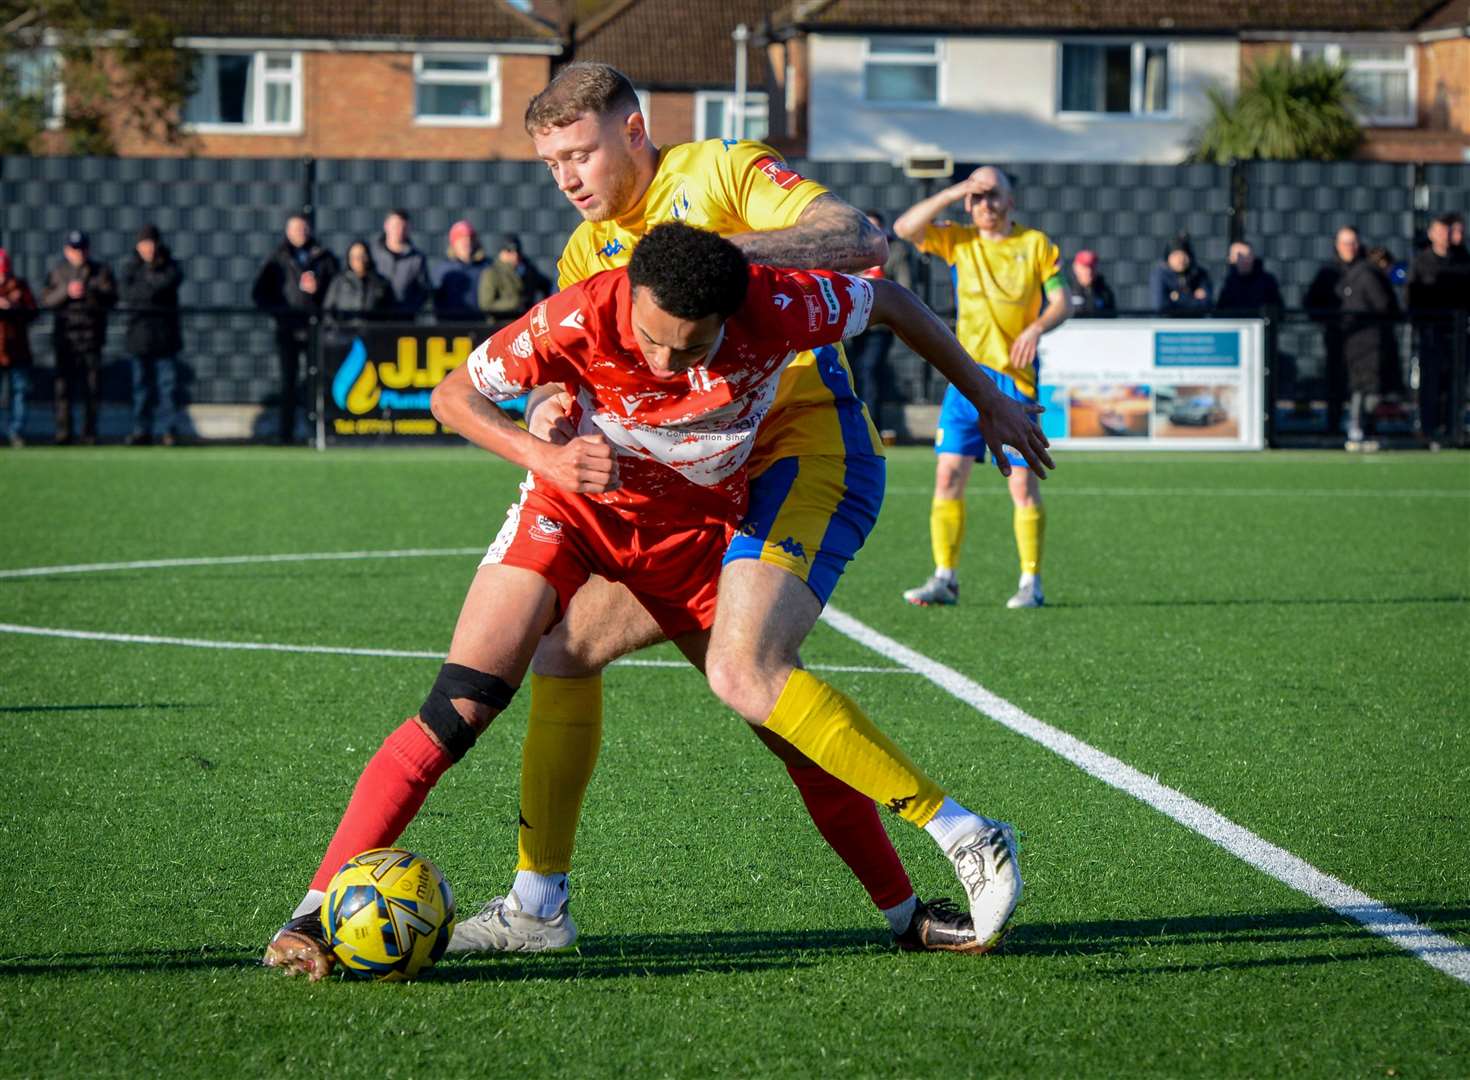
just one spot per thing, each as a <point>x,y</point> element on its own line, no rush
<point>732,187</point>
<point>999,286</point>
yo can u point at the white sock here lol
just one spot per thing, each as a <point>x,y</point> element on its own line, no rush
<point>311,902</point>
<point>946,573</point>
<point>953,823</point>
<point>900,915</point>
<point>1030,579</point>
<point>541,895</point>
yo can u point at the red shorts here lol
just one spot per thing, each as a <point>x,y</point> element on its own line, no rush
<point>673,570</point>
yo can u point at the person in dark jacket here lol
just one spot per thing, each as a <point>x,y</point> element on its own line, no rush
<point>291,285</point>
<point>1370,351</point>
<point>867,353</point>
<point>81,290</point>
<point>405,266</point>
<point>359,291</point>
<point>1177,285</point>
<point>149,286</point>
<point>456,277</point>
<point>1323,301</point>
<point>511,284</point>
<point>17,312</point>
<point>1438,287</point>
<point>1091,295</point>
<point>1249,288</point>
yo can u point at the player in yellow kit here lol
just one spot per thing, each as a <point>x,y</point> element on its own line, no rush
<point>817,479</point>
<point>1009,291</point>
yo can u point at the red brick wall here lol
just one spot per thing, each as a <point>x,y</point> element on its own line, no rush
<point>671,116</point>
<point>358,104</point>
<point>1444,85</point>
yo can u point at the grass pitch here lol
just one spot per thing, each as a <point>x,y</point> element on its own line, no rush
<point>1283,637</point>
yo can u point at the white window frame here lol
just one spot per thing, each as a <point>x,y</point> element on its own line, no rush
<point>491,76</point>
<point>937,58</point>
<point>294,79</point>
<point>1332,53</point>
<point>1138,62</point>
<point>756,103</point>
<point>50,55</point>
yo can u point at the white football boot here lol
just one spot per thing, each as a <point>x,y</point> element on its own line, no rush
<point>936,590</point>
<point>986,864</point>
<point>1028,594</point>
<point>502,926</point>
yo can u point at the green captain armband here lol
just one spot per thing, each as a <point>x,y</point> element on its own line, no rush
<point>1052,284</point>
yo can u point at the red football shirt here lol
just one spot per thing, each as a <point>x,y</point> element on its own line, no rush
<point>681,443</point>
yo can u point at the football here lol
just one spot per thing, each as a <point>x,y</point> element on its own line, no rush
<point>388,914</point>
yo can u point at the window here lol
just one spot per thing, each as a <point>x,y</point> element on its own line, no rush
<point>901,71</point>
<point>714,116</point>
<point>456,90</point>
<point>246,91</point>
<point>1381,75</point>
<point>1122,78</point>
<point>37,74</point>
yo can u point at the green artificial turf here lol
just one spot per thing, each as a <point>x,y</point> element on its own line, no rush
<point>1282,637</point>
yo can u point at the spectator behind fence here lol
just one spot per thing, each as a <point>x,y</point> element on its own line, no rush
<point>17,312</point>
<point>1249,288</point>
<point>359,291</point>
<point>512,283</point>
<point>456,277</point>
<point>1438,287</point>
<point>868,352</point>
<point>1370,351</point>
<point>291,285</point>
<point>81,290</point>
<point>1323,301</point>
<point>1091,295</point>
<point>1458,253</point>
<point>405,266</point>
<point>1177,285</point>
<point>149,285</point>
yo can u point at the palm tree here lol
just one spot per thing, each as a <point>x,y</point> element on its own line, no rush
<point>1288,110</point>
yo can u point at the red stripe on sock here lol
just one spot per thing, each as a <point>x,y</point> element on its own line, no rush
<point>389,793</point>
<point>848,821</point>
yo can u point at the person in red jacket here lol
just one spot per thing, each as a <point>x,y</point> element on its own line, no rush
<point>17,312</point>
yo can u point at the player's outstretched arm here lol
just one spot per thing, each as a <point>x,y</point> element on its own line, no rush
<point>584,465</point>
<point>829,235</point>
<point>1004,421</point>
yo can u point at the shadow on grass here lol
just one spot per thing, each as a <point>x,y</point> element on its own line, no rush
<point>1276,935</point>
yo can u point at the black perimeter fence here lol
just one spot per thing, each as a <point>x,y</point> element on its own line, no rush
<point>223,217</point>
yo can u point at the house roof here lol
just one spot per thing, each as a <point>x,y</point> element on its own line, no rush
<point>464,20</point>
<point>1225,16</point>
<point>663,43</point>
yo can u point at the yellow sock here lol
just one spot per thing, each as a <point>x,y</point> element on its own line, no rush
<point>946,531</point>
<point>563,735</point>
<point>833,731</point>
<point>1030,522</point>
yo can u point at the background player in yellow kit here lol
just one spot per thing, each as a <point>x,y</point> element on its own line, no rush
<point>817,480</point>
<point>1002,273</point>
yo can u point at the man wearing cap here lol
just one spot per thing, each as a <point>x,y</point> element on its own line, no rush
<point>456,277</point>
<point>150,281</point>
<point>512,283</point>
<point>1091,295</point>
<point>80,290</point>
<point>291,285</point>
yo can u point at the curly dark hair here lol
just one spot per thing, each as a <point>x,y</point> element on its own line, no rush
<point>691,272</point>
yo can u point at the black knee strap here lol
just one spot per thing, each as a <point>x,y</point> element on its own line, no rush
<point>442,718</point>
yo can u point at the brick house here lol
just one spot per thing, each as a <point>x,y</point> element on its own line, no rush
<point>279,79</point>
<point>872,79</point>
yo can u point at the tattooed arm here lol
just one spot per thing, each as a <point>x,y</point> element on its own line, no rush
<point>829,235</point>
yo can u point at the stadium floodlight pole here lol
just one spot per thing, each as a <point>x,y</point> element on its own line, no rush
<point>741,35</point>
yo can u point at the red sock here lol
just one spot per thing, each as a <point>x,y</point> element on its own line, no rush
<point>848,821</point>
<point>388,794</point>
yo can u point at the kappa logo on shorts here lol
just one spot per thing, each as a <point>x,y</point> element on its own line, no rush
<point>778,172</point>
<point>521,346</point>
<point>793,547</point>
<point>829,298</point>
<point>545,530</point>
<point>539,325</point>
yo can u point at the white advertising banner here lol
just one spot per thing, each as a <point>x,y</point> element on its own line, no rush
<point>1168,384</point>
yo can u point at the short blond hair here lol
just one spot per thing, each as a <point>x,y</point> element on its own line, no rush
<point>581,89</point>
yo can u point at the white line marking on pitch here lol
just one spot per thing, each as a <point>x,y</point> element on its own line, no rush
<point>1434,949</point>
<point>236,560</point>
<point>349,650</point>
